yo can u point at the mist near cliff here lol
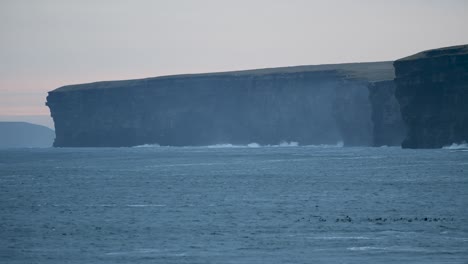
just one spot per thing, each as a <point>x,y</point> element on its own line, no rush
<point>310,105</point>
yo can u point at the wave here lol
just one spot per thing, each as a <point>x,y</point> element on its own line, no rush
<point>148,146</point>
<point>223,146</point>
<point>251,145</point>
<point>288,144</point>
<point>390,248</point>
<point>462,145</point>
<point>254,145</point>
<point>338,144</point>
<point>282,144</point>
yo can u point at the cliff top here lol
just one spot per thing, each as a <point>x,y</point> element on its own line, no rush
<point>370,71</point>
<point>447,51</point>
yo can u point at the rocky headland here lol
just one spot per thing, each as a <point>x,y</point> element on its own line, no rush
<point>420,101</point>
<point>311,105</point>
<point>432,90</point>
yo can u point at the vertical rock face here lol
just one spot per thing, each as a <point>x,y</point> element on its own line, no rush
<point>388,126</point>
<point>308,104</point>
<point>432,89</point>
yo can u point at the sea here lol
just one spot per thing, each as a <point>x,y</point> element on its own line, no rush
<point>234,204</point>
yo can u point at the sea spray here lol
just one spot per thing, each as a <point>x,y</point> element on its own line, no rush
<point>454,146</point>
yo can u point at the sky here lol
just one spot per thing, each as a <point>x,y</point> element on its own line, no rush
<point>50,43</point>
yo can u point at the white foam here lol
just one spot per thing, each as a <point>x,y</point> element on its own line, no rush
<point>288,144</point>
<point>391,248</point>
<point>148,146</point>
<point>224,146</point>
<point>255,145</point>
<point>339,144</point>
<point>462,145</point>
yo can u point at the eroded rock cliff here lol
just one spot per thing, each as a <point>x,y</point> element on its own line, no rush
<point>388,127</point>
<point>306,104</point>
<point>432,89</point>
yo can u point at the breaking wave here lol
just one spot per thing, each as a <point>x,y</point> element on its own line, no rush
<point>462,145</point>
<point>282,144</point>
<point>391,248</point>
<point>148,146</point>
<point>338,144</point>
<point>255,145</point>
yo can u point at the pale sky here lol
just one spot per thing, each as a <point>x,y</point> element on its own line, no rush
<point>49,43</point>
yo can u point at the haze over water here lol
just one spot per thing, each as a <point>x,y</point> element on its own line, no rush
<point>225,204</point>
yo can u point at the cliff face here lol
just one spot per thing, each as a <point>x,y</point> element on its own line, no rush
<point>388,126</point>
<point>308,104</point>
<point>432,89</point>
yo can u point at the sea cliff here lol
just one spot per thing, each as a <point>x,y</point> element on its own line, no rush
<point>310,105</point>
<point>432,90</point>
<point>388,127</point>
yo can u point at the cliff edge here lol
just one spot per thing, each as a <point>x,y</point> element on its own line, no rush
<point>432,90</point>
<point>321,104</point>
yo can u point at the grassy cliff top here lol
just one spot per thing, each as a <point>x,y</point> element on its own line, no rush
<point>447,51</point>
<point>370,71</point>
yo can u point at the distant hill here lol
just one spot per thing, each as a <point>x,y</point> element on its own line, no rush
<point>25,135</point>
<point>43,120</point>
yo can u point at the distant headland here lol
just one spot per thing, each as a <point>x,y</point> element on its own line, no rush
<point>356,103</point>
<point>25,135</point>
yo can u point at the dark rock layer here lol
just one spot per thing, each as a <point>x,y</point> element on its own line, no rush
<point>388,127</point>
<point>432,89</point>
<point>307,104</point>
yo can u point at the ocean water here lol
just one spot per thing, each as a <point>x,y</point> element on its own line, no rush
<point>232,204</point>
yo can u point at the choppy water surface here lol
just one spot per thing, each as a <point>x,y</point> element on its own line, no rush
<point>234,205</point>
